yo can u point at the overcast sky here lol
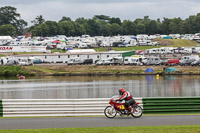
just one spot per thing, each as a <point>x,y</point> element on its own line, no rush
<point>124,9</point>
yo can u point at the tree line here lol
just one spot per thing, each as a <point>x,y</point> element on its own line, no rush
<point>12,24</point>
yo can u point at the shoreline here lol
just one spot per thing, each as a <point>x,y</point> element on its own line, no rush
<point>92,70</point>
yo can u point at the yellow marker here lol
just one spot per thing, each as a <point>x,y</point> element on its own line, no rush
<point>157,76</point>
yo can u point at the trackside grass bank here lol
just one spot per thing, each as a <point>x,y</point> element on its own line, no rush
<point>10,71</point>
<point>90,70</point>
<point>143,129</point>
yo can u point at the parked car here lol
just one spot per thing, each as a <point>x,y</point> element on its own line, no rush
<point>172,62</point>
<point>87,61</point>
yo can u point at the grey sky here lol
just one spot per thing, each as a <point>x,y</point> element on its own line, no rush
<point>124,9</point>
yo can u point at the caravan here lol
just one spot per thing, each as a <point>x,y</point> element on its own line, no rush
<point>3,61</point>
<point>25,61</point>
<point>153,60</point>
<point>187,60</point>
<point>135,60</point>
<point>111,61</point>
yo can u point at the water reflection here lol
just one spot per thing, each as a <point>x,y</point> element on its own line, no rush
<point>99,87</point>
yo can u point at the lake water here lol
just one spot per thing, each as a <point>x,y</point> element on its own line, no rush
<point>99,87</point>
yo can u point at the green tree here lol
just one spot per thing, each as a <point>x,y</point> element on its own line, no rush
<point>78,29</point>
<point>175,25</point>
<point>102,17</point>
<point>7,30</point>
<point>53,28</point>
<point>115,20</point>
<point>141,28</point>
<point>65,19</point>
<point>152,27</point>
<point>80,20</point>
<point>38,20</point>
<point>165,26</point>
<point>94,28</point>
<point>9,15</point>
<point>128,27</point>
<point>66,28</point>
<point>115,29</point>
<point>41,30</point>
<point>190,24</point>
<point>197,20</point>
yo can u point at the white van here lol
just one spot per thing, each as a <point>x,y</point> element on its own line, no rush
<point>74,61</point>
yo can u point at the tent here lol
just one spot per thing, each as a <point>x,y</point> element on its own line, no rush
<point>171,69</point>
<point>149,70</point>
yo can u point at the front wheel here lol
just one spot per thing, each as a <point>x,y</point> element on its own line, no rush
<point>110,112</point>
<point>137,111</point>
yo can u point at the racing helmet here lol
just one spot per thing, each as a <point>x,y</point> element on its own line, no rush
<point>121,91</point>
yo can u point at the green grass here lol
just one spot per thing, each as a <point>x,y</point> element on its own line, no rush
<point>183,43</point>
<point>20,53</point>
<point>57,50</point>
<point>40,69</point>
<point>140,129</point>
<point>2,55</point>
<point>125,48</point>
<point>14,71</point>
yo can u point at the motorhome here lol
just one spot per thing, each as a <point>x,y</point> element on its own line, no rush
<point>11,62</point>
<point>196,50</point>
<point>153,60</point>
<point>25,61</point>
<point>187,60</point>
<point>3,61</point>
<point>135,60</point>
<point>111,61</point>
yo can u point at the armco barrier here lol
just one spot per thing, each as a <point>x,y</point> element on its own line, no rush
<point>1,108</point>
<point>171,105</point>
<point>54,107</point>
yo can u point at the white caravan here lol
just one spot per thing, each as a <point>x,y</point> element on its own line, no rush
<point>187,60</point>
<point>135,60</point>
<point>25,61</point>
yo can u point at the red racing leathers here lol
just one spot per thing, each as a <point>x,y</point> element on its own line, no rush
<point>128,99</point>
<point>126,96</point>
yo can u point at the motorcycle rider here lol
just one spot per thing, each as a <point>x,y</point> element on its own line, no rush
<point>128,99</point>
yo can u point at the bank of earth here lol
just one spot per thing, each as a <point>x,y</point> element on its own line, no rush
<point>62,69</point>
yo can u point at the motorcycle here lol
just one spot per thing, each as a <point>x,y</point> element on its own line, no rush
<point>120,108</point>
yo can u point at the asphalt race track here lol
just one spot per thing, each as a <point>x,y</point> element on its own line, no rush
<point>74,122</point>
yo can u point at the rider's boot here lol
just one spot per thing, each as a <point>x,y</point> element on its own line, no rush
<point>130,110</point>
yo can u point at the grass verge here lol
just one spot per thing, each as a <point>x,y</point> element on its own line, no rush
<point>142,129</point>
<point>10,71</point>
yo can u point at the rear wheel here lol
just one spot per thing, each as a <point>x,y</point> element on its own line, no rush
<point>110,112</point>
<point>137,111</point>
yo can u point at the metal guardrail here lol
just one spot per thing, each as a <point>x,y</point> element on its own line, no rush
<point>1,108</point>
<point>92,106</point>
<point>171,105</point>
<point>54,107</point>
